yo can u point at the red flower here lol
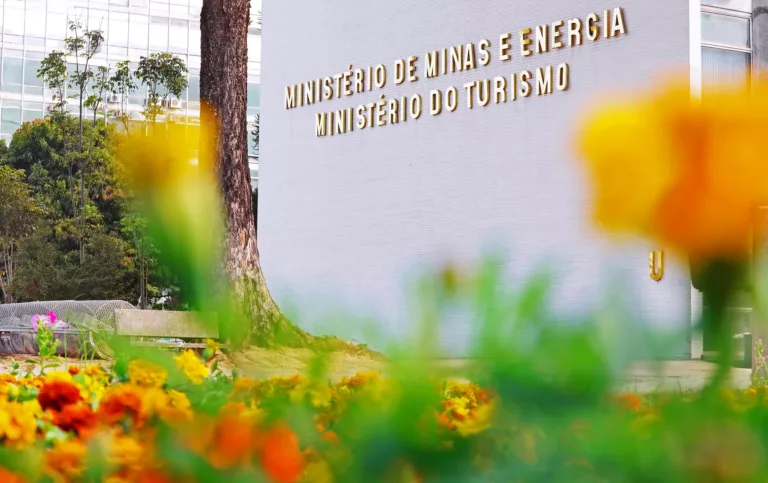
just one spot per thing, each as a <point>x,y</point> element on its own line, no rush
<point>119,403</point>
<point>78,418</point>
<point>57,394</point>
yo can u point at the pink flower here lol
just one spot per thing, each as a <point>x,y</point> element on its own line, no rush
<point>34,322</point>
<point>51,317</point>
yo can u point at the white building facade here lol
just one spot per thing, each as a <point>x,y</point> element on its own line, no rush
<point>351,214</point>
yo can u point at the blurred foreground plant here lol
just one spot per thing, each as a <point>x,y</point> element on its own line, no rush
<point>691,175</point>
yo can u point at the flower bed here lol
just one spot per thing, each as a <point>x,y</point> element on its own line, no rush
<point>148,422</point>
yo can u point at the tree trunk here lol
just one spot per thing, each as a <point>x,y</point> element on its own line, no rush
<point>223,92</point>
<point>82,183</point>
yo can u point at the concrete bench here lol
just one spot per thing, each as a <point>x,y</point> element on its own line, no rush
<point>139,325</point>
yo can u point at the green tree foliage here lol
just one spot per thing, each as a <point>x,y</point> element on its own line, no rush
<point>53,71</point>
<point>123,86</point>
<point>48,271</point>
<point>118,262</point>
<point>92,245</point>
<point>18,212</point>
<point>102,83</point>
<point>164,75</point>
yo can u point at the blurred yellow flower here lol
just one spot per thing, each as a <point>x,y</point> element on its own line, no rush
<point>127,452</point>
<point>192,366</point>
<point>212,345</point>
<point>18,425</point>
<point>145,373</point>
<point>65,461</point>
<point>477,422</point>
<point>179,195</point>
<point>685,173</point>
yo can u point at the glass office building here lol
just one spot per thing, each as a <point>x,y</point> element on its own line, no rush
<point>132,28</point>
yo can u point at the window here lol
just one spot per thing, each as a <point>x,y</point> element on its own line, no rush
<point>139,31</point>
<point>118,29</point>
<point>30,73</point>
<point>178,36</point>
<point>194,38</point>
<point>158,33</point>
<point>194,88</point>
<point>726,54</point>
<point>12,71</point>
<point>57,26</point>
<point>253,95</point>
<point>29,115</point>
<point>14,21</point>
<point>10,120</point>
<point>35,28</point>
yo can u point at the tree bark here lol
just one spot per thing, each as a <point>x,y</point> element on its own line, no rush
<point>224,144</point>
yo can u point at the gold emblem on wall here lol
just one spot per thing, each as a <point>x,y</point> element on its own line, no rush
<point>656,265</point>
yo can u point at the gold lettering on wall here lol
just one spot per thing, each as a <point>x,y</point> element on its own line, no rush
<point>469,56</point>
<point>656,265</point>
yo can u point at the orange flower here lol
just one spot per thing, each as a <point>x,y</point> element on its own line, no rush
<point>57,393</point>
<point>629,402</point>
<point>74,370</point>
<point>687,174</point>
<point>78,418</point>
<point>281,455</point>
<point>121,402</point>
<point>66,459</point>
<point>233,442</point>
<point>8,477</point>
<point>140,476</point>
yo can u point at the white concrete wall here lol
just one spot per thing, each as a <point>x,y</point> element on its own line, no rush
<point>346,222</point>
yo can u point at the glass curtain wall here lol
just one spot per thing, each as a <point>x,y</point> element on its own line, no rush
<point>30,29</point>
<point>726,56</point>
<point>726,52</point>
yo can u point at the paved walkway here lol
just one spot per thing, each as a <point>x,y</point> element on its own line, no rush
<point>677,375</point>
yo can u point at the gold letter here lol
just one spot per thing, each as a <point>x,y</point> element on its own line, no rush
<point>309,93</point>
<point>320,124</point>
<point>525,86</point>
<point>542,39</point>
<point>504,47</point>
<point>618,27</point>
<point>290,97</point>
<point>525,42</point>
<point>500,90</point>
<point>656,265</point>
<point>544,80</point>
<point>574,32</point>
<point>593,29</point>
<point>435,102</point>
<point>452,98</point>
<point>563,77</point>
<point>412,77</point>
<point>341,122</point>
<point>556,42</point>
<point>431,64</point>
<point>486,58</point>
<point>399,72</point>
<point>456,61</point>
<point>484,92</point>
<point>469,86</point>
